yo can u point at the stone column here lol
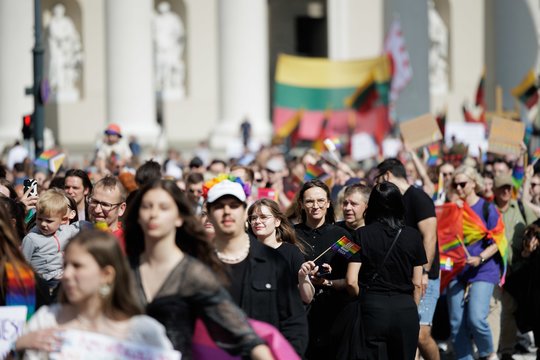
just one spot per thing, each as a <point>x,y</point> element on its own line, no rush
<point>243,69</point>
<point>355,29</point>
<point>130,79</point>
<point>16,42</point>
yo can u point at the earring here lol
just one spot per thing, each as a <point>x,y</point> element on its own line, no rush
<point>104,290</point>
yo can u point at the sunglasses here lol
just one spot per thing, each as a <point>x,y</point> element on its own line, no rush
<point>459,184</point>
<point>533,185</point>
<point>445,174</point>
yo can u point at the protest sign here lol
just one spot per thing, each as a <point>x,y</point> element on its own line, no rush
<point>12,320</point>
<point>505,136</point>
<point>84,345</point>
<point>420,131</point>
<point>471,134</point>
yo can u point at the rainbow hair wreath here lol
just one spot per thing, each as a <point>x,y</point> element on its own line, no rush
<point>210,183</point>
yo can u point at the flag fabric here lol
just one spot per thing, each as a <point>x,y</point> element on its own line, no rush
<point>51,160</point>
<point>317,85</point>
<point>433,151</point>
<point>535,155</point>
<point>345,247</point>
<point>394,45</point>
<point>474,115</point>
<point>446,262</point>
<point>316,172</point>
<point>318,144</point>
<point>460,227</point>
<point>527,91</point>
<point>441,121</point>
<point>290,128</point>
<point>20,287</point>
<point>480,98</point>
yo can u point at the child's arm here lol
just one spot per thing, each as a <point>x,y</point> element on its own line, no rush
<point>27,247</point>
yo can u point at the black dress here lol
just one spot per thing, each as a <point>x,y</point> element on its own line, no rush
<point>191,291</point>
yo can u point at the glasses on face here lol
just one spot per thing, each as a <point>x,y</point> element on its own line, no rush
<point>459,184</point>
<point>258,180</point>
<point>447,174</point>
<point>533,185</point>
<point>505,188</point>
<point>263,218</point>
<point>309,203</point>
<point>105,206</point>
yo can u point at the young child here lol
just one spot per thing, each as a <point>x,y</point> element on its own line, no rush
<point>43,247</point>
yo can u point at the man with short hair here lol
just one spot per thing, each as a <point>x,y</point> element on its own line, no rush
<point>516,216</point>
<point>261,282</point>
<point>419,214</point>
<point>194,191</point>
<point>107,204</point>
<point>77,184</point>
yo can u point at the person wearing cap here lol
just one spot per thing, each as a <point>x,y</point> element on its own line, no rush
<point>260,281</point>
<point>114,147</point>
<point>516,216</point>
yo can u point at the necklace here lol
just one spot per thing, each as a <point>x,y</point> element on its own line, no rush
<point>234,260</point>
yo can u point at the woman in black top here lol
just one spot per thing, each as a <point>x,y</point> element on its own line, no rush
<point>173,262</point>
<point>270,226</point>
<point>390,288</point>
<point>317,232</point>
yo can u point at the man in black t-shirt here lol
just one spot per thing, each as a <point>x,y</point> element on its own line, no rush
<point>419,214</point>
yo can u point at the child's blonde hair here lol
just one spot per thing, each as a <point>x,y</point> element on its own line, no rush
<point>53,202</point>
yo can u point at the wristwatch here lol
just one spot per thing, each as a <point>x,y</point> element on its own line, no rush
<point>330,283</point>
<point>482,259</point>
<point>424,271</point>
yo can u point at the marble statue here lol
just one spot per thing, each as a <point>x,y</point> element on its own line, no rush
<point>65,56</point>
<point>438,52</point>
<point>169,42</point>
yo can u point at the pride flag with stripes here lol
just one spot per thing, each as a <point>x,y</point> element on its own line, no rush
<point>319,85</point>
<point>345,247</point>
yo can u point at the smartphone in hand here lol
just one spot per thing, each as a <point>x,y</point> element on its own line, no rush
<point>32,185</point>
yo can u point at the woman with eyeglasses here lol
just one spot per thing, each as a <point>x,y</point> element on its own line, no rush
<point>270,226</point>
<point>317,232</point>
<point>470,292</point>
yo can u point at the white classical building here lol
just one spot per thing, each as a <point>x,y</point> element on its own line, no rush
<point>183,71</point>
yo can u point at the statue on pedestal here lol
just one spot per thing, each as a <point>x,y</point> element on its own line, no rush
<point>438,52</point>
<point>169,43</point>
<point>65,56</point>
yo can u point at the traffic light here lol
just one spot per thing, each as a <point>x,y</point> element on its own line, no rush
<point>27,128</point>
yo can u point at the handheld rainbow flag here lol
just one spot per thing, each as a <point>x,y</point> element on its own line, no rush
<point>535,156</point>
<point>50,159</point>
<point>316,172</point>
<point>447,264</point>
<point>433,150</point>
<point>345,247</point>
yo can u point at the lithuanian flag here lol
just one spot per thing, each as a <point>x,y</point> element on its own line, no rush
<point>527,91</point>
<point>320,85</point>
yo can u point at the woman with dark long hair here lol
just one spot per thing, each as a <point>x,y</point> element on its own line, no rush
<point>317,232</point>
<point>96,296</point>
<point>270,226</point>
<point>173,261</point>
<point>386,274</point>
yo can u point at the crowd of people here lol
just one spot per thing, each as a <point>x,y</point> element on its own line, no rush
<point>344,265</point>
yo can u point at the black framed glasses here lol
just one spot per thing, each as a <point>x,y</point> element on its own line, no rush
<point>105,206</point>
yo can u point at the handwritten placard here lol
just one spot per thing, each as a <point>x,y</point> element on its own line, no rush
<point>12,320</point>
<point>84,345</point>
<point>420,131</point>
<point>505,136</point>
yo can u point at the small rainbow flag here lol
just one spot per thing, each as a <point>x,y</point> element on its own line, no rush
<point>535,155</point>
<point>447,264</point>
<point>50,159</point>
<point>433,150</point>
<point>450,245</point>
<point>345,247</point>
<point>313,172</point>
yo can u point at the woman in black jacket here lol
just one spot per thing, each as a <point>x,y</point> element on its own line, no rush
<point>386,275</point>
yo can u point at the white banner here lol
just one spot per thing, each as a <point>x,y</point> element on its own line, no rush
<point>84,345</point>
<point>12,320</point>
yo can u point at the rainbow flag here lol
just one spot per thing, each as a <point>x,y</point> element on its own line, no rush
<point>527,91</point>
<point>433,150</point>
<point>318,84</point>
<point>50,159</point>
<point>20,287</point>
<point>535,155</point>
<point>316,172</point>
<point>345,247</point>
<point>447,264</point>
